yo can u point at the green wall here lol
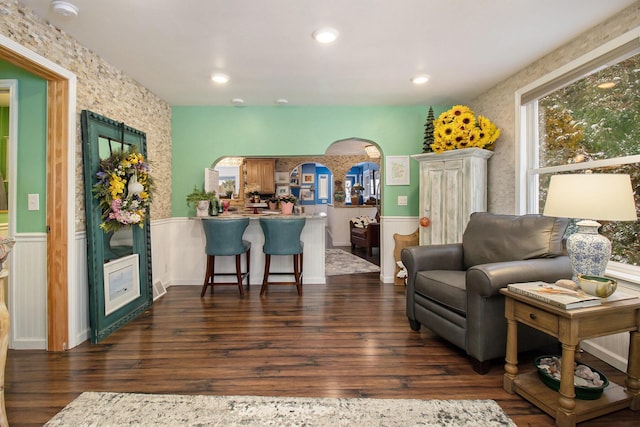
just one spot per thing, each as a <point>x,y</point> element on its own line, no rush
<point>201,135</point>
<point>32,153</point>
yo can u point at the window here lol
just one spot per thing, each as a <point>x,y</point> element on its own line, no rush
<point>586,117</point>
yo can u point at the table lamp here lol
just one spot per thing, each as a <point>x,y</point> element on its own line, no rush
<point>590,197</point>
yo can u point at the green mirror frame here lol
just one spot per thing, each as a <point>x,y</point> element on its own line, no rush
<point>108,313</point>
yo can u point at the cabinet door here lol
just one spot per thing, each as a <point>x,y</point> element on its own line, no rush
<point>262,173</point>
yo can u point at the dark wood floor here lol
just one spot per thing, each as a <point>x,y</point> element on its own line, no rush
<point>349,338</point>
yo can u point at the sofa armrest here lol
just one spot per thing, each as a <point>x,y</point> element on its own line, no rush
<point>486,280</point>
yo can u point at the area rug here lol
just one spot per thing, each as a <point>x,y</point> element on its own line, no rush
<point>128,409</point>
<point>339,262</point>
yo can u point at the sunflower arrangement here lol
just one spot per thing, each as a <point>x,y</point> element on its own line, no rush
<point>123,204</point>
<point>458,128</point>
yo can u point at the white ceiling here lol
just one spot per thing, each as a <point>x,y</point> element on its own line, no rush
<point>265,46</point>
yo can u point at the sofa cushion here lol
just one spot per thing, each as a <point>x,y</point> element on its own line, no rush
<point>446,287</point>
<point>491,238</point>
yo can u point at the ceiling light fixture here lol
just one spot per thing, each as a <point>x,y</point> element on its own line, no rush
<point>420,80</point>
<point>325,35</point>
<point>64,8</point>
<point>281,101</point>
<point>237,101</point>
<point>219,78</point>
<point>372,151</point>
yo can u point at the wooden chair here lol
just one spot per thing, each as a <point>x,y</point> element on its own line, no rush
<point>367,237</point>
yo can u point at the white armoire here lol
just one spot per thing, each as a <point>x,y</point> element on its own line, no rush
<point>453,185</point>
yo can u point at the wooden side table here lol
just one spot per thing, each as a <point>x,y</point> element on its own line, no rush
<point>570,327</point>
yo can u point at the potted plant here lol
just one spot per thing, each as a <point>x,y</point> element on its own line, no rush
<point>287,201</point>
<point>202,201</point>
<point>273,203</point>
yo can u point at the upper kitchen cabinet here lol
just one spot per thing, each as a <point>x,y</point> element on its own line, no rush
<point>260,173</point>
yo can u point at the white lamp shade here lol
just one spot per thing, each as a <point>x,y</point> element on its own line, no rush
<point>607,197</point>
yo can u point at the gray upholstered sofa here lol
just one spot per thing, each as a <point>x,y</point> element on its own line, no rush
<point>454,289</point>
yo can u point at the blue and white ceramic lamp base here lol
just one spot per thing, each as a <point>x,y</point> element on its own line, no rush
<point>589,251</point>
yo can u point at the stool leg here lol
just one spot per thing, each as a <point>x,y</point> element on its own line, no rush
<point>239,273</point>
<point>265,278</point>
<point>248,258</point>
<point>296,272</point>
<point>208,276</point>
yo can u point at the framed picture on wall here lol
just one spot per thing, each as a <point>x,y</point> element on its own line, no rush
<point>397,170</point>
<point>306,194</point>
<point>307,178</point>
<point>121,283</point>
<point>282,178</point>
<point>282,190</point>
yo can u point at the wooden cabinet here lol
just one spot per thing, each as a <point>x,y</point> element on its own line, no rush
<point>453,185</point>
<point>261,172</point>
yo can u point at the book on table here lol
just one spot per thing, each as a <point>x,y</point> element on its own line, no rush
<point>555,295</point>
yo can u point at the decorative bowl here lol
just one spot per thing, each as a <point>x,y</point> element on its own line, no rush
<point>582,392</point>
<point>597,286</point>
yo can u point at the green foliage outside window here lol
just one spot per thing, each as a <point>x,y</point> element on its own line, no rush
<point>584,122</point>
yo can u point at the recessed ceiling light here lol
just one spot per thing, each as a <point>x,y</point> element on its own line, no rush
<point>64,8</point>
<point>219,78</point>
<point>325,35</point>
<point>282,101</point>
<point>420,80</point>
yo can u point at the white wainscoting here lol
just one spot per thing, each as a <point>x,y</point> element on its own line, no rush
<point>79,326</point>
<point>27,292</point>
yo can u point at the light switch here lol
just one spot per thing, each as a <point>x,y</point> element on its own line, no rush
<point>34,202</point>
<point>402,200</point>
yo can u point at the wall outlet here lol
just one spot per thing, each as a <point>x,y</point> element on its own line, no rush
<point>402,200</point>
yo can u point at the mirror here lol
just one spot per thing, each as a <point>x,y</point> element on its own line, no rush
<point>118,236</point>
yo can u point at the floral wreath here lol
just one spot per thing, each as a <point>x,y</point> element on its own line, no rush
<point>123,190</point>
<point>458,128</point>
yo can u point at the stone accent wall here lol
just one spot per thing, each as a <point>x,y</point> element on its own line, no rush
<point>498,103</point>
<point>338,165</point>
<point>103,89</point>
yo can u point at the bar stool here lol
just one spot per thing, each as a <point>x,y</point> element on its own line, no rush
<point>282,237</point>
<point>224,238</point>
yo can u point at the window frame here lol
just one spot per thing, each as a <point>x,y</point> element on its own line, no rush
<point>526,120</point>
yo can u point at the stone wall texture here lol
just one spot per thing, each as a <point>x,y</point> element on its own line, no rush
<point>499,102</point>
<point>103,89</point>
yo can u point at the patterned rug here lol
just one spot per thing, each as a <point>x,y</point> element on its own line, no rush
<point>339,262</point>
<point>125,409</point>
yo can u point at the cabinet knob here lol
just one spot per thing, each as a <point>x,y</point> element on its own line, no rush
<point>533,316</point>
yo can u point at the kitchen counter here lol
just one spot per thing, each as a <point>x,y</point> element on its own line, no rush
<point>313,237</point>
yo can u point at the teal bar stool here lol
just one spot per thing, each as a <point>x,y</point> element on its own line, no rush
<point>224,238</point>
<point>282,237</point>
